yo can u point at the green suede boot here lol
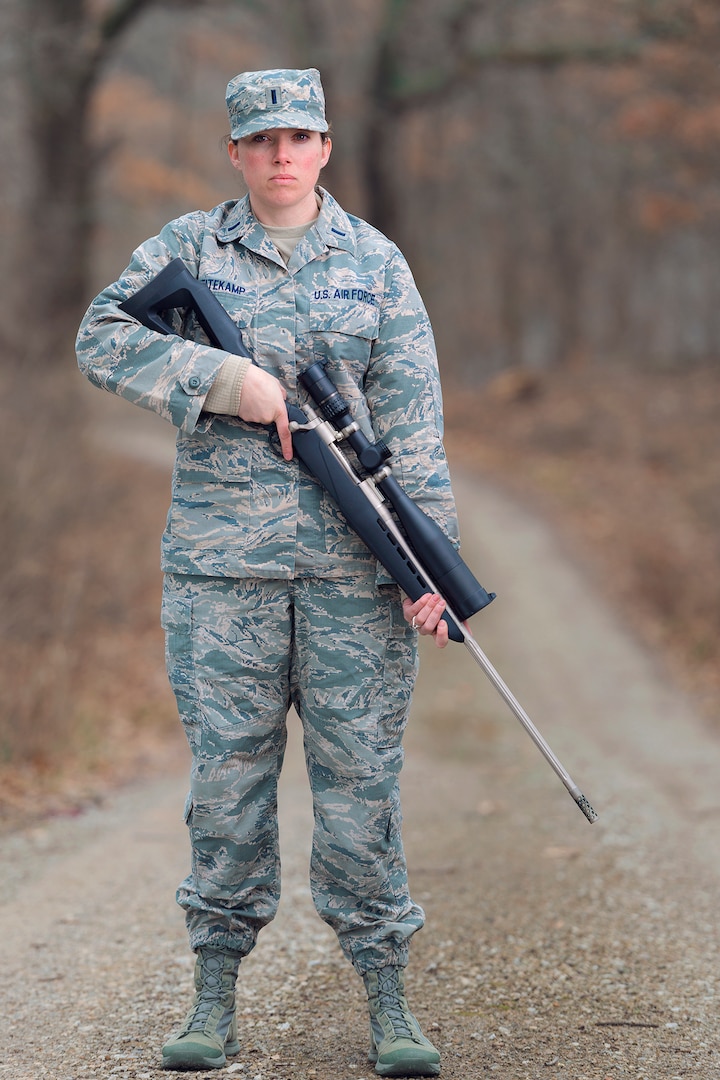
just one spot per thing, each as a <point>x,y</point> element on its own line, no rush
<point>397,1045</point>
<point>209,1032</point>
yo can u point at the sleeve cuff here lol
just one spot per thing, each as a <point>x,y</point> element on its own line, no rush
<point>224,394</point>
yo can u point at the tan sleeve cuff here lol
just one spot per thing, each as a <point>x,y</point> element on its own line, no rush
<point>224,394</point>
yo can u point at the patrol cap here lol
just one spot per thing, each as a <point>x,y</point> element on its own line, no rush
<point>281,98</point>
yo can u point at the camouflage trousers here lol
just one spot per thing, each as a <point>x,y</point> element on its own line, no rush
<point>239,653</point>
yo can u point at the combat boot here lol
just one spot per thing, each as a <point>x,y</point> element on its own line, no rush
<point>397,1045</point>
<point>209,1032</point>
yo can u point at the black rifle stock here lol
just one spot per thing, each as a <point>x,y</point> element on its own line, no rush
<point>409,544</point>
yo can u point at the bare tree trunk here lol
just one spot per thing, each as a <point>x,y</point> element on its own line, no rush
<point>13,174</point>
<point>63,48</point>
<point>58,223</point>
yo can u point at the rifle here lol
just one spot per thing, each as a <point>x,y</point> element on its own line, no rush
<point>409,544</point>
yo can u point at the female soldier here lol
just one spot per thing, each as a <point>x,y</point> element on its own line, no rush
<point>269,599</point>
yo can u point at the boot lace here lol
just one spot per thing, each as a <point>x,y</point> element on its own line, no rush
<point>209,995</point>
<point>390,1002</point>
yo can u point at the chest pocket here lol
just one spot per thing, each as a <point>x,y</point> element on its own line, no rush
<point>343,331</point>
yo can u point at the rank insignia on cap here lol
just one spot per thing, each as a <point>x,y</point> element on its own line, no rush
<point>280,98</point>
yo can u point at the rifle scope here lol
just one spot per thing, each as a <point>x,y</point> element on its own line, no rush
<point>454,580</point>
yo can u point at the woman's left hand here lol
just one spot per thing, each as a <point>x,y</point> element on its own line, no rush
<point>425,616</point>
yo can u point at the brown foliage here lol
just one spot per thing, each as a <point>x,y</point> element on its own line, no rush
<point>83,696</point>
<point>658,211</point>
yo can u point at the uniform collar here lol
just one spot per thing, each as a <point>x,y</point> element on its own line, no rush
<point>333,224</point>
<point>333,228</point>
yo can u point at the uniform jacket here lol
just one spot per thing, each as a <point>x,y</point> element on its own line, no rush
<point>347,296</point>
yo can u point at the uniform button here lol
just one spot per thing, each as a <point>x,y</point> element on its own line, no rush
<point>193,382</point>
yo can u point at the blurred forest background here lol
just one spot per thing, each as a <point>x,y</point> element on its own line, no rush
<point>551,169</point>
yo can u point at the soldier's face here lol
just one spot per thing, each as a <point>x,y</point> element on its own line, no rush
<point>281,168</point>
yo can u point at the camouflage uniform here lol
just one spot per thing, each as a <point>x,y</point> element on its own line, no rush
<point>269,598</point>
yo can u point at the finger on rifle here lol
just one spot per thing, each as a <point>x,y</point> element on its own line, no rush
<point>420,608</point>
<point>435,623</point>
<point>432,611</point>
<point>408,606</point>
<point>283,430</point>
<point>425,613</point>
<point>262,401</point>
<point>412,608</point>
<point>441,636</point>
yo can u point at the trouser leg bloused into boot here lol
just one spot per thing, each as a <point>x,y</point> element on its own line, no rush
<point>397,1045</point>
<point>209,1032</point>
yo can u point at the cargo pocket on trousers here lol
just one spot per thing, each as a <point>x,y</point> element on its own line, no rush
<point>176,620</point>
<point>400,671</point>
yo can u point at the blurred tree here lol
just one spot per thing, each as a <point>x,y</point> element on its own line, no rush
<point>63,47</point>
<point>540,231</point>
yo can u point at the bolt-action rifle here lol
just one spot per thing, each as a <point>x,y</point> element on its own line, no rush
<point>410,545</point>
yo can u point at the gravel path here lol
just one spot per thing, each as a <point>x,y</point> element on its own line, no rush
<point>554,949</point>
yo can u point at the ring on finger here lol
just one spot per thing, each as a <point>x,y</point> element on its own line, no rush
<point>414,623</point>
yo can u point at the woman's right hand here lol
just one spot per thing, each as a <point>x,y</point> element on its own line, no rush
<point>262,401</point>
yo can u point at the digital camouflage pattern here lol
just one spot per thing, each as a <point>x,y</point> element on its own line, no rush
<point>238,654</point>
<point>348,297</point>
<point>261,100</point>
<point>270,598</point>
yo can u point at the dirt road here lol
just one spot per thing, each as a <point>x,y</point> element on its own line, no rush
<point>554,949</point>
